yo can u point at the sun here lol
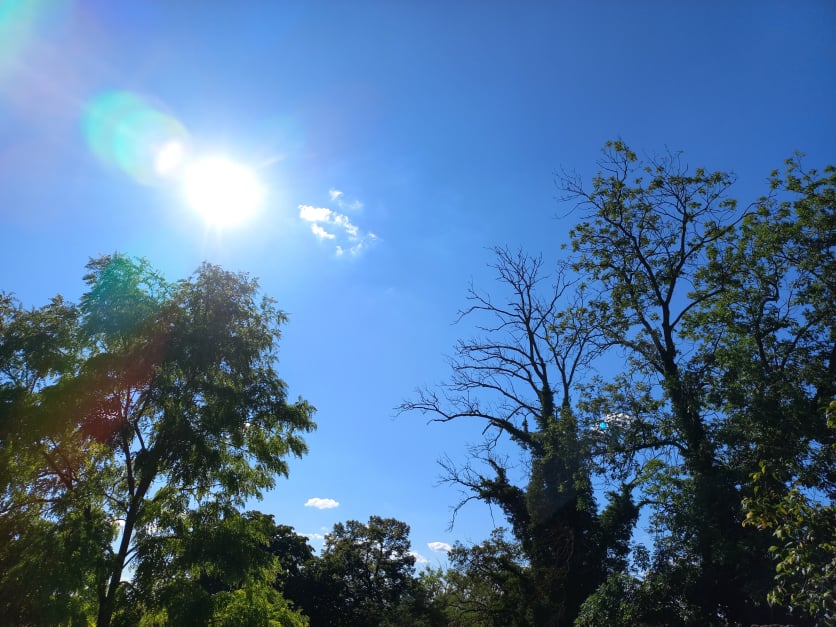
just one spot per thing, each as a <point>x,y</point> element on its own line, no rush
<point>222,191</point>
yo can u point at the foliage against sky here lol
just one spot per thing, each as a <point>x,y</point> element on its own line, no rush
<point>436,128</point>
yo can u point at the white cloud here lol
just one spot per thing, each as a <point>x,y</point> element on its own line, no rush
<point>348,238</point>
<point>309,213</point>
<point>439,547</point>
<point>344,222</point>
<point>419,559</point>
<point>337,196</point>
<point>314,536</point>
<point>322,503</point>
<point>358,248</point>
<point>321,233</point>
<point>353,250</point>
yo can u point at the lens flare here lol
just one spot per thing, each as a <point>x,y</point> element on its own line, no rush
<point>139,138</point>
<point>130,133</point>
<point>170,158</point>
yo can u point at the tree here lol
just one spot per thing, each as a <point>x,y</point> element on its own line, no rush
<point>725,318</point>
<point>517,380</point>
<point>641,245</point>
<point>295,556</point>
<point>364,575</point>
<point>489,584</point>
<point>37,346</point>
<point>215,566</point>
<point>148,414</point>
<point>787,246</point>
<point>428,605</point>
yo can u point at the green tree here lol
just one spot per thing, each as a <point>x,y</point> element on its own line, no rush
<point>337,588</point>
<point>364,575</point>
<point>213,566</point>
<point>295,555</point>
<point>775,364</point>
<point>37,347</point>
<point>725,320</point>
<point>148,416</point>
<point>489,584</point>
<point>644,233</point>
<point>805,549</point>
<point>428,605</point>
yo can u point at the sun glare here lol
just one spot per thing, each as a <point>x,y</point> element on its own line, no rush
<point>223,192</point>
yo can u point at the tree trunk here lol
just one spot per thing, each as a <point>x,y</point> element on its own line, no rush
<point>108,604</point>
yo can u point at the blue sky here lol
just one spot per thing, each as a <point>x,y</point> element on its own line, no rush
<point>430,131</point>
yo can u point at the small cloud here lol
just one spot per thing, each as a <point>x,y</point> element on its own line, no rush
<point>327,224</point>
<point>314,536</point>
<point>357,248</point>
<point>322,503</point>
<point>309,213</point>
<point>419,559</point>
<point>337,196</point>
<point>344,222</point>
<point>440,547</point>
<point>321,233</point>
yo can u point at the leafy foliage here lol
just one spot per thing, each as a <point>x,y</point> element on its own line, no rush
<point>148,414</point>
<point>368,568</point>
<point>805,550</point>
<point>364,576</point>
<point>723,319</point>
<point>726,323</point>
<point>489,584</point>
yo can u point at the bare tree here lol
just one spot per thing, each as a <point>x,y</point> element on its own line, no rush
<point>515,379</point>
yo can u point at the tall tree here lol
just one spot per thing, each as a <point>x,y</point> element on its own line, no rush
<point>722,315</point>
<point>640,243</point>
<point>163,407</point>
<point>516,380</point>
<point>295,555</point>
<point>778,361</point>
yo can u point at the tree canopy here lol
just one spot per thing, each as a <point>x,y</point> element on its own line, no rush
<point>133,423</point>
<point>364,576</point>
<point>723,319</point>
